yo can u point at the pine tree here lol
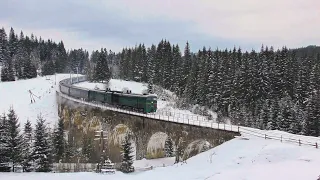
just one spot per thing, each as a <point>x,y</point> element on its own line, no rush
<point>312,125</point>
<point>27,147</point>
<point>151,60</point>
<point>127,158</point>
<point>4,144</point>
<point>41,149</point>
<point>4,52</point>
<point>58,141</point>
<point>180,150</point>
<point>14,139</point>
<point>168,147</point>
<point>87,147</point>
<point>102,71</point>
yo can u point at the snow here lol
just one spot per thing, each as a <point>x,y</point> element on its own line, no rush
<point>16,94</point>
<point>154,163</point>
<point>116,84</point>
<point>251,159</point>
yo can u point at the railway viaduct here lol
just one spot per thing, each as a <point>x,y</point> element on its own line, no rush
<point>148,135</point>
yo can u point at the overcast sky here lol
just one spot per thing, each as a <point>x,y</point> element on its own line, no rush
<point>92,24</point>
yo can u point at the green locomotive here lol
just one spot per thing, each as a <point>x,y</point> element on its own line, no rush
<point>137,102</point>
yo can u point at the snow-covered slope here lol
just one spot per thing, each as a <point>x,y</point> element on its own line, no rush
<point>245,157</point>
<point>16,94</point>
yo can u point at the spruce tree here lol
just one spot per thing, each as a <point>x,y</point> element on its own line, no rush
<point>312,125</point>
<point>27,146</point>
<point>168,146</point>
<point>41,149</point>
<point>127,158</point>
<point>14,138</point>
<point>58,141</point>
<point>4,143</point>
<point>102,71</point>
<point>87,148</point>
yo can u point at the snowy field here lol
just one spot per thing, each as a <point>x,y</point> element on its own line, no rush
<point>243,158</point>
<point>16,94</point>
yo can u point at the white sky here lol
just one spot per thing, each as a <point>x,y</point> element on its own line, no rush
<point>245,23</point>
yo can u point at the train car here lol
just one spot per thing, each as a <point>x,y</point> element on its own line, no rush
<point>142,103</point>
<point>100,96</point>
<point>64,89</point>
<point>79,93</point>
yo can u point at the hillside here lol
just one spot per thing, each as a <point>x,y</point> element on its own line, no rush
<point>16,94</point>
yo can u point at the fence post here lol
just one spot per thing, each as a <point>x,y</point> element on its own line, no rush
<point>188,121</point>
<point>299,142</point>
<point>168,118</point>
<point>316,145</point>
<point>218,125</point>
<point>224,126</point>
<point>173,117</point>
<point>238,128</point>
<point>198,119</point>
<point>231,127</point>
<point>265,136</point>
<point>281,138</point>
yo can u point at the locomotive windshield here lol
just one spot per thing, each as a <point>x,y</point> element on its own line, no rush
<point>152,98</point>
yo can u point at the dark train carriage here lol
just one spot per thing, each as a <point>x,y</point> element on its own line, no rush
<point>143,103</point>
<point>100,96</point>
<point>79,93</point>
<point>64,88</point>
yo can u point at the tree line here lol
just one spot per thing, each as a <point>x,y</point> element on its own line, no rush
<point>271,89</point>
<point>25,57</point>
<point>30,148</point>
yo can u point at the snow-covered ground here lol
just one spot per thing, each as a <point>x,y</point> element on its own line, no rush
<point>246,157</point>
<point>16,94</point>
<point>145,164</point>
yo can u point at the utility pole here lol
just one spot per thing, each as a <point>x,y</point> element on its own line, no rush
<point>101,136</point>
<point>77,75</point>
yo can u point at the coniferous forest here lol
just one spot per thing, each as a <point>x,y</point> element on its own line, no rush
<point>267,89</point>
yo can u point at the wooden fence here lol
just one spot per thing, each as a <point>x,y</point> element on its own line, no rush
<point>281,138</point>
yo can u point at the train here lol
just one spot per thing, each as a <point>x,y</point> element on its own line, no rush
<point>144,103</point>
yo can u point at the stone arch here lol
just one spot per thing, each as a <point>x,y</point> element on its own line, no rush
<point>196,147</point>
<point>95,124</point>
<point>117,136</point>
<point>156,145</point>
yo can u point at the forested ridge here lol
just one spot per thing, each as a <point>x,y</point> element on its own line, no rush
<point>267,89</point>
